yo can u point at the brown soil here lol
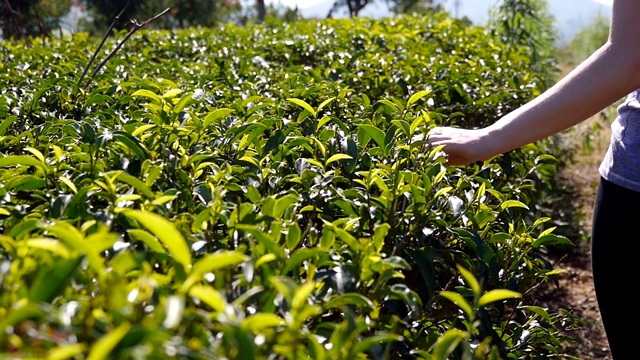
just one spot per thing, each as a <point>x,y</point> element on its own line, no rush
<point>575,292</point>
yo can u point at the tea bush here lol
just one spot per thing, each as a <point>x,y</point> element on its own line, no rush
<point>267,193</point>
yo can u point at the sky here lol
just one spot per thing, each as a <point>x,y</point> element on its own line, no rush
<point>308,3</point>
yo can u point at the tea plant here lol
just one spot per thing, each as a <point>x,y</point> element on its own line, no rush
<point>267,193</point>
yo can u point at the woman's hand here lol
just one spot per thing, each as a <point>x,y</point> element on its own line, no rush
<point>462,146</point>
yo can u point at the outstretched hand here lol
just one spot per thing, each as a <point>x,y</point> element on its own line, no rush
<point>461,146</point>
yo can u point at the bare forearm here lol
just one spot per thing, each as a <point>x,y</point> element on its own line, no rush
<point>604,78</point>
<point>608,75</point>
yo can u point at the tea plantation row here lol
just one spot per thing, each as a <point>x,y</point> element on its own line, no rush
<point>266,192</point>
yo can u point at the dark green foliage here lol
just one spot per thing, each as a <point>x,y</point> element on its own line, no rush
<point>267,192</point>
<point>189,13</point>
<point>527,27</point>
<point>22,18</point>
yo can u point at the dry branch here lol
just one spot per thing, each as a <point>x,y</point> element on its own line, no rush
<point>136,26</point>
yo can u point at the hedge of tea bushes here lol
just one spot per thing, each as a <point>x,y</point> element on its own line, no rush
<point>266,192</point>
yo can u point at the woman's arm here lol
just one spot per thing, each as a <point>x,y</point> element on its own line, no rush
<point>605,77</point>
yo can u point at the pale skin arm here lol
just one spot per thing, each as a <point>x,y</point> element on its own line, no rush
<point>606,76</point>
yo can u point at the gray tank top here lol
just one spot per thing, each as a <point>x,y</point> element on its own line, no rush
<point>621,164</point>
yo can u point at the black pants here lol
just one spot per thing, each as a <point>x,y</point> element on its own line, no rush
<point>615,260</point>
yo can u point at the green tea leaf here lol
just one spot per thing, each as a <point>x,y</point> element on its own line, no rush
<point>417,96</point>
<point>470,280</point>
<point>304,105</point>
<point>460,301</point>
<point>373,132</point>
<point>337,157</point>
<point>447,343</point>
<point>215,115</point>
<point>148,239</point>
<point>64,352</point>
<point>209,296</point>
<point>185,100</point>
<point>98,99</point>
<point>551,240</point>
<point>283,203</point>
<point>301,295</point>
<point>325,103</point>
<point>167,232</point>
<point>22,160</point>
<point>141,187</point>
<point>293,236</point>
<point>6,123</point>
<point>299,256</point>
<point>25,182</point>
<point>52,281</point>
<point>211,263</point>
<point>148,94</point>
<point>51,245</point>
<point>497,295</point>
<point>540,311</point>
<point>132,143</point>
<point>171,93</point>
<point>258,322</point>
<point>355,299</point>
<point>513,203</point>
<point>103,347</point>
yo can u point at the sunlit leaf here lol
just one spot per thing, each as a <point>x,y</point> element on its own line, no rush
<point>213,262</point>
<point>470,279</point>
<point>417,96</point>
<point>304,105</point>
<point>103,347</point>
<point>551,240</point>
<point>168,234</point>
<point>513,203</point>
<point>210,296</point>
<point>460,301</point>
<point>338,157</point>
<point>497,295</point>
<point>64,352</point>
<point>258,322</point>
<point>21,160</point>
<point>448,342</point>
<point>148,94</point>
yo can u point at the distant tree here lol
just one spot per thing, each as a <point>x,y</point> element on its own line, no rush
<point>183,13</point>
<point>22,18</point>
<point>262,10</point>
<point>354,6</point>
<point>528,26</point>
<point>413,6</point>
<point>588,40</point>
<point>397,6</point>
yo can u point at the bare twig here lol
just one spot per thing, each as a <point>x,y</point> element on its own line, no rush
<point>136,26</point>
<point>104,39</point>
<point>11,10</point>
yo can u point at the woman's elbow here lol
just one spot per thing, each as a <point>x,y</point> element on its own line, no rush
<point>629,54</point>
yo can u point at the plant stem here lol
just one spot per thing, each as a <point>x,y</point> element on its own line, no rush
<point>137,26</point>
<point>104,39</point>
